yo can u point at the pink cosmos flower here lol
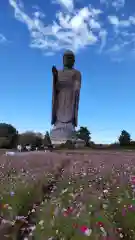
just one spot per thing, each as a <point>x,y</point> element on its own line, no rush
<point>83,228</point>
<point>132,179</point>
<point>68,211</point>
<point>65,213</point>
<point>100,224</point>
<point>87,231</point>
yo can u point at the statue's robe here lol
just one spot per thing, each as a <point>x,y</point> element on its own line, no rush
<point>66,94</point>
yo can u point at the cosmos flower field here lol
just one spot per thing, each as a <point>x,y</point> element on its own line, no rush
<point>53,196</point>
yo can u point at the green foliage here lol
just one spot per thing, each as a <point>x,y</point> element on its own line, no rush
<point>47,140</point>
<point>8,136</point>
<point>124,138</point>
<point>30,138</point>
<point>69,144</point>
<point>4,142</point>
<point>132,144</point>
<point>84,134</point>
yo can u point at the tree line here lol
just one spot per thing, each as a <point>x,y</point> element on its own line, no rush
<point>10,138</point>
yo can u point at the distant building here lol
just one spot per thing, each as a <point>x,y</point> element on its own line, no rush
<point>79,143</point>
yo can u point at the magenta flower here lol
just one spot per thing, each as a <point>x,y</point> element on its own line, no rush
<point>132,179</point>
<point>85,230</point>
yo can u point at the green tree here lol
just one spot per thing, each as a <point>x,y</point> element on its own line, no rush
<point>84,134</point>
<point>124,138</point>
<point>47,140</point>
<point>8,136</point>
<point>132,144</point>
<point>30,138</point>
<point>69,144</point>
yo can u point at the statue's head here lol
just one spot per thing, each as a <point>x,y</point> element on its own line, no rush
<point>68,59</point>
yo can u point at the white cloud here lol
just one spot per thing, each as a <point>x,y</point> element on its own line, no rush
<point>118,51</point>
<point>115,48</point>
<point>103,36</point>
<point>114,20</point>
<point>124,23</point>
<point>118,4</point>
<point>94,24</point>
<point>76,29</point>
<point>68,4</point>
<point>38,13</point>
<point>95,12</point>
<point>67,31</point>
<point>132,20</point>
<point>2,38</point>
<point>104,2</point>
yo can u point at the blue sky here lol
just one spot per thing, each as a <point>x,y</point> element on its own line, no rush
<point>33,36</point>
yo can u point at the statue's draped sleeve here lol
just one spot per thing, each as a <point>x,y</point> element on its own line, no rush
<point>54,98</point>
<point>77,96</point>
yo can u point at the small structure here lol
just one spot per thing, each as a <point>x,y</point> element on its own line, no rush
<point>79,143</point>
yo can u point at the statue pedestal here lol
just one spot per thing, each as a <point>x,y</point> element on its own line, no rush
<point>62,132</point>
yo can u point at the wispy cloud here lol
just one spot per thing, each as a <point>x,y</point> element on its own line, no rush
<point>118,51</point>
<point>2,38</point>
<point>103,35</point>
<point>114,20</point>
<point>68,4</point>
<point>132,19</point>
<point>114,49</point>
<point>117,4</point>
<point>74,30</point>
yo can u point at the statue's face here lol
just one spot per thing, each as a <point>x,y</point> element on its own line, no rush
<point>68,60</point>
